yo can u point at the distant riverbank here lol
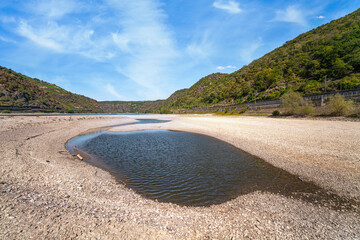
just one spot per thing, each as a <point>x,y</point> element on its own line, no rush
<point>45,192</point>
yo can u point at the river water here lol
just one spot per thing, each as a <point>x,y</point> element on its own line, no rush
<point>192,169</point>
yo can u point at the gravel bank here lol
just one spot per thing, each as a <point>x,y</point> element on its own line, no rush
<point>47,193</point>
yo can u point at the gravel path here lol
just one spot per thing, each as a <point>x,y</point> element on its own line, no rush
<point>47,193</point>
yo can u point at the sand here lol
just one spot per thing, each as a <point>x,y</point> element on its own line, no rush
<point>47,193</point>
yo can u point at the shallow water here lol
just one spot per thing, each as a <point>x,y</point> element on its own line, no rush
<point>193,169</point>
<point>73,143</point>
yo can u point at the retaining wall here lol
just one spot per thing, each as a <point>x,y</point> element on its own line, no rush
<point>317,99</point>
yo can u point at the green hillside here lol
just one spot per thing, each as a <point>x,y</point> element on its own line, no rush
<point>20,91</point>
<point>131,106</point>
<point>326,56</point>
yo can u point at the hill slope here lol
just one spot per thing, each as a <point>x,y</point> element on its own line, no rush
<point>20,91</point>
<point>326,56</point>
<point>131,106</point>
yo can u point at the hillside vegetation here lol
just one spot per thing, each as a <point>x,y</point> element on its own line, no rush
<point>131,107</point>
<point>20,91</point>
<point>326,57</point>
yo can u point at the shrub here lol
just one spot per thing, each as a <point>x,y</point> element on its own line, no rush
<point>350,82</point>
<point>243,109</point>
<point>6,111</point>
<point>338,106</point>
<point>165,111</point>
<point>233,112</point>
<point>276,113</point>
<point>311,87</point>
<point>294,104</point>
<point>291,101</point>
<point>306,110</point>
<point>357,110</point>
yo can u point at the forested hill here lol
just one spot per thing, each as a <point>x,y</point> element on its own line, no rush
<point>131,106</point>
<point>20,91</point>
<point>328,55</point>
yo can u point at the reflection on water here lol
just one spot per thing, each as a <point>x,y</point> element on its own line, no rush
<point>193,169</point>
<point>73,143</point>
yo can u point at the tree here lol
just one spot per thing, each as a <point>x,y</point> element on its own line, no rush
<point>340,68</point>
<point>311,86</point>
<point>266,78</point>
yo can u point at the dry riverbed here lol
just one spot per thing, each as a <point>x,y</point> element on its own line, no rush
<point>47,193</point>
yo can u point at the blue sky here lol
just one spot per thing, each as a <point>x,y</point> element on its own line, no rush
<point>147,49</point>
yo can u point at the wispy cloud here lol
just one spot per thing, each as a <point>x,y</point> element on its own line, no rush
<point>148,42</point>
<point>66,39</point>
<point>225,67</point>
<point>195,50</point>
<point>134,38</point>
<point>121,41</point>
<point>291,14</point>
<point>5,39</point>
<point>7,19</point>
<point>200,47</point>
<point>320,17</point>
<point>42,37</point>
<point>53,8</point>
<point>229,6</point>
<point>111,89</point>
<point>247,53</point>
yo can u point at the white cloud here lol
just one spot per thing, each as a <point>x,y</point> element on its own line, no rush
<point>292,14</point>
<point>247,53</point>
<point>134,38</point>
<point>201,46</point>
<point>42,38</point>
<point>111,89</point>
<point>148,42</point>
<point>5,39</point>
<point>53,8</point>
<point>197,51</point>
<point>45,28</point>
<point>320,17</point>
<point>225,67</point>
<point>122,41</point>
<point>66,39</point>
<point>230,6</point>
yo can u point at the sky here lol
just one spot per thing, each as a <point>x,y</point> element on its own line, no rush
<point>147,49</point>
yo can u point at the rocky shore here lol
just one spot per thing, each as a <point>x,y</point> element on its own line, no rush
<point>45,192</point>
